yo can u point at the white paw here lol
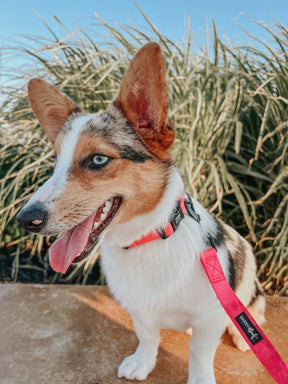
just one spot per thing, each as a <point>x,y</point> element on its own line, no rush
<point>133,368</point>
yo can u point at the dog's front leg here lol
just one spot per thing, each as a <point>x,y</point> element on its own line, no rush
<point>141,363</point>
<point>203,345</point>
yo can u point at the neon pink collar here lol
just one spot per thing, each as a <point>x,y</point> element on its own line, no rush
<point>168,230</point>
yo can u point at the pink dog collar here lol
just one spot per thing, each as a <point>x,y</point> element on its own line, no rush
<point>166,231</point>
<point>183,204</point>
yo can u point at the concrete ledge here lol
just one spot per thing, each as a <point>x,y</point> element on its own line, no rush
<point>79,335</point>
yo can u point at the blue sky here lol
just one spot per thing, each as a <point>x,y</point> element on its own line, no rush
<point>17,17</point>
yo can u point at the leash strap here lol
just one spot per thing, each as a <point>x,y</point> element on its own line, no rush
<point>249,329</point>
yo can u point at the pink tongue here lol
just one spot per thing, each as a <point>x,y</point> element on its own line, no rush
<point>64,250</point>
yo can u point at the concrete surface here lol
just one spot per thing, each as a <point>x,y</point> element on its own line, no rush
<point>79,335</point>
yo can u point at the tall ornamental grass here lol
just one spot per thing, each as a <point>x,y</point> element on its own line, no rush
<point>228,103</point>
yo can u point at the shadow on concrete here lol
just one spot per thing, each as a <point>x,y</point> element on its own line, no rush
<point>72,335</point>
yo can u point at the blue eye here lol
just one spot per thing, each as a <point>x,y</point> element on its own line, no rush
<point>100,160</point>
<point>96,161</point>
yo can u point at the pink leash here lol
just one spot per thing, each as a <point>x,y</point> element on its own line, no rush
<point>249,329</point>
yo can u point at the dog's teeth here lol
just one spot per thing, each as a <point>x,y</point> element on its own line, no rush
<point>108,203</point>
<point>103,216</point>
<point>96,225</point>
<point>107,206</point>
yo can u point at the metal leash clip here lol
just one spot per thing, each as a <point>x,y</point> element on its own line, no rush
<point>190,208</point>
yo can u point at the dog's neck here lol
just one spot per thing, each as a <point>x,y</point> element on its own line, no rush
<point>126,233</point>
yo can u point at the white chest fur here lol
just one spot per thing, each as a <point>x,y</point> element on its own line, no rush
<point>163,276</point>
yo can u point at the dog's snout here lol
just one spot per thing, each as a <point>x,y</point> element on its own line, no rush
<point>33,218</point>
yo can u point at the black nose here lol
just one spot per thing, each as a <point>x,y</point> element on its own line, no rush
<point>33,218</point>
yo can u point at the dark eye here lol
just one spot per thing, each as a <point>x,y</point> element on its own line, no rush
<point>96,161</point>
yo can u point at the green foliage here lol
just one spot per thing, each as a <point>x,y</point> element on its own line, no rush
<point>229,105</point>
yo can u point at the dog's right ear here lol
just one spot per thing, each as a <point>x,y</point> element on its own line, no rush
<point>50,106</point>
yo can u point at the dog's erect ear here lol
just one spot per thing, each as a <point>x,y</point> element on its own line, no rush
<point>50,106</point>
<point>143,100</point>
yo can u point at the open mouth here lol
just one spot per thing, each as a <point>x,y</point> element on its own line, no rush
<point>77,243</point>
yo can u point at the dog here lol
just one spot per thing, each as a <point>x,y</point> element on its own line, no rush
<point>114,180</point>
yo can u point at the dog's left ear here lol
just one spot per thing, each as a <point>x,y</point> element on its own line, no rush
<point>143,100</point>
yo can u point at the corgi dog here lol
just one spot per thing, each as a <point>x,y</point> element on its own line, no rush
<point>114,181</point>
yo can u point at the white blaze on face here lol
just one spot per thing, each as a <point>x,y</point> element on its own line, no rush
<point>53,186</point>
